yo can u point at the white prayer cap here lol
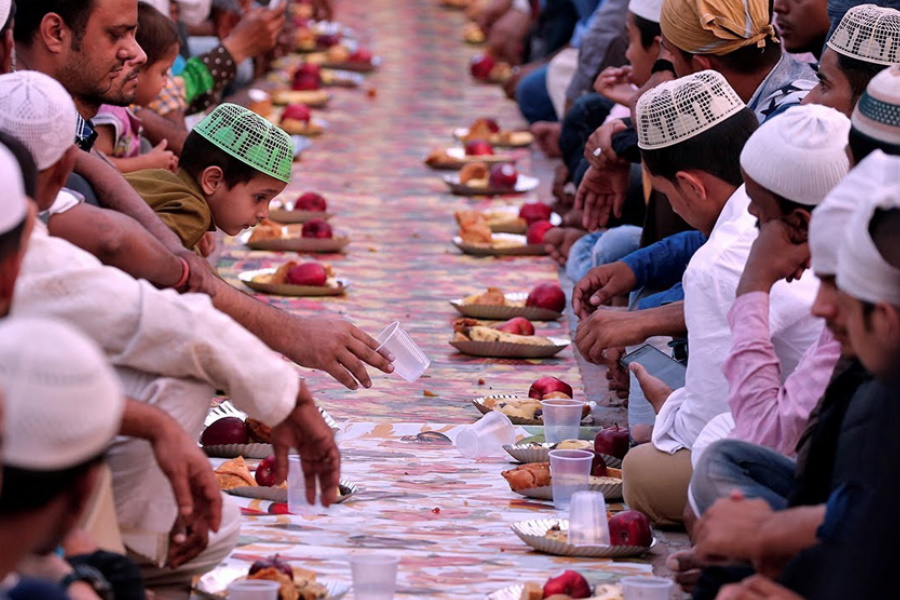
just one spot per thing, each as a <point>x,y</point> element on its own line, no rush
<point>13,203</point>
<point>646,9</point>
<point>868,33</point>
<point>799,155</point>
<point>36,109</point>
<point>675,111</point>
<point>877,114</point>
<point>5,7</point>
<point>862,272</point>
<point>62,402</point>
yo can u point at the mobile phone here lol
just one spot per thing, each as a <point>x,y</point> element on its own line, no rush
<point>658,364</point>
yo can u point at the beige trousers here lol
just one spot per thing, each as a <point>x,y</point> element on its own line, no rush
<point>656,483</point>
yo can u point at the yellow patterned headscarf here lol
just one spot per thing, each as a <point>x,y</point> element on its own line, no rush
<point>716,26</point>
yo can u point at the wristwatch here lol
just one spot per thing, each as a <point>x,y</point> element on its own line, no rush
<point>91,576</point>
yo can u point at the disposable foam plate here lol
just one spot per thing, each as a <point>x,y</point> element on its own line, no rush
<point>525,183</point>
<point>510,350</point>
<point>279,494</point>
<point>479,404</point>
<point>502,313</point>
<point>534,532</point>
<point>527,453</point>
<point>213,585</point>
<point>297,243</point>
<point>522,247</point>
<point>611,491</point>
<point>287,289</point>
<point>227,409</point>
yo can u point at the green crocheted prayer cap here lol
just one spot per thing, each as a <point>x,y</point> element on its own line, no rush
<point>250,138</point>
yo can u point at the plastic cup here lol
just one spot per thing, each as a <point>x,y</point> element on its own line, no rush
<point>408,359</point>
<point>297,503</point>
<point>487,436</point>
<point>562,418</point>
<point>569,472</point>
<point>374,577</point>
<point>587,519</point>
<point>647,588</point>
<point>253,589</point>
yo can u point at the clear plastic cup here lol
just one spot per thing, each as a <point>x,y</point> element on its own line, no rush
<point>408,359</point>
<point>297,503</point>
<point>647,588</point>
<point>487,436</point>
<point>253,589</point>
<point>569,472</point>
<point>562,418</point>
<point>374,576</point>
<point>587,519</point>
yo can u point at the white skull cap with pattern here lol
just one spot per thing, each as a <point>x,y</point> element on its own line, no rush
<point>5,7</point>
<point>38,111</point>
<point>877,114</point>
<point>799,155</point>
<point>62,401</point>
<point>862,271</point>
<point>675,111</point>
<point>13,203</point>
<point>830,218</point>
<point>868,33</point>
<point>646,9</point>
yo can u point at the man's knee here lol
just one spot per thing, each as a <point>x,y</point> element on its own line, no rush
<point>656,483</point>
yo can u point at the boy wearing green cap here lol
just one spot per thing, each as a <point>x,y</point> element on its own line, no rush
<point>233,163</point>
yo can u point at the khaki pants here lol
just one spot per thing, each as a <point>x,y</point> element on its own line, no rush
<point>656,483</point>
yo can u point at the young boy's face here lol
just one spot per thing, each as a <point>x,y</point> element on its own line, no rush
<point>245,204</point>
<point>870,334</point>
<point>640,58</point>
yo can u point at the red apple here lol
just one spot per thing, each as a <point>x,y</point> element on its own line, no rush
<point>612,441</point>
<point>312,202</point>
<point>479,148</point>
<point>265,472</point>
<point>536,232</point>
<point>309,69</point>
<point>227,430</point>
<point>545,385</point>
<point>547,295</point>
<point>305,83</point>
<point>311,273</point>
<point>518,326</point>
<point>317,228</point>
<point>535,211</point>
<point>361,55</point>
<point>278,508</point>
<point>503,177</point>
<point>598,466</point>
<point>328,40</point>
<point>481,66</point>
<point>630,528</point>
<point>296,112</point>
<point>272,562</point>
<point>570,583</point>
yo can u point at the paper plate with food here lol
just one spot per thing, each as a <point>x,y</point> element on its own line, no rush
<point>487,69</point>
<point>296,279</point>
<point>479,339</point>
<point>545,302</point>
<point>533,480</point>
<point>473,34</point>
<point>339,56</point>
<point>315,235</point>
<point>296,583</point>
<point>526,410</point>
<point>455,158</point>
<point>307,206</point>
<point>297,119</point>
<point>567,585</point>
<point>313,98</point>
<point>480,179</point>
<point>512,219</point>
<point>629,535</point>
<point>235,477</point>
<point>489,130</point>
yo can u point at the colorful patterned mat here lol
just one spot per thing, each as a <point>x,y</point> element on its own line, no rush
<point>447,517</point>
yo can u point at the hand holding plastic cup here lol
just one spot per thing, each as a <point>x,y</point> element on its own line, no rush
<point>487,436</point>
<point>253,589</point>
<point>562,418</point>
<point>408,359</point>
<point>374,576</point>
<point>647,588</point>
<point>297,503</point>
<point>569,473</point>
<point>587,519</point>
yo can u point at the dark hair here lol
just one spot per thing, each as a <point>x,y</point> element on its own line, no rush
<point>788,206</point>
<point>9,17</point>
<point>861,145</point>
<point>648,29</point>
<point>858,74</point>
<point>156,33</point>
<point>75,13</point>
<point>198,154</point>
<point>716,151</point>
<point>25,490</point>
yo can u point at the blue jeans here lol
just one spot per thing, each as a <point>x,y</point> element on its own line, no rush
<point>533,99</point>
<point>601,248</point>
<point>756,471</point>
<point>586,114</point>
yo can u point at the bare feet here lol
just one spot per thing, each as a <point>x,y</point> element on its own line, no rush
<point>685,569</point>
<point>558,241</point>
<point>546,135</point>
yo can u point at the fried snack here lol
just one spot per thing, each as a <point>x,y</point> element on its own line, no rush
<point>234,473</point>
<point>524,408</point>
<point>492,297</point>
<point>464,330</point>
<point>532,590</point>
<point>472,34</point>
<point>473,229</point>
<point>307,97</point>
<point>513,138</point>
<point>288,590</point>
<point>527,476</point>
<point>259,431</point>
<point>297,127</point>
<point>266,230</point>
<point>279,277</point>
<point>438,158</point>
<point>474,174</point>
<point>574,445</point>
<point>338,54</point>
<point>479,130</point>
<point>500,73</point>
